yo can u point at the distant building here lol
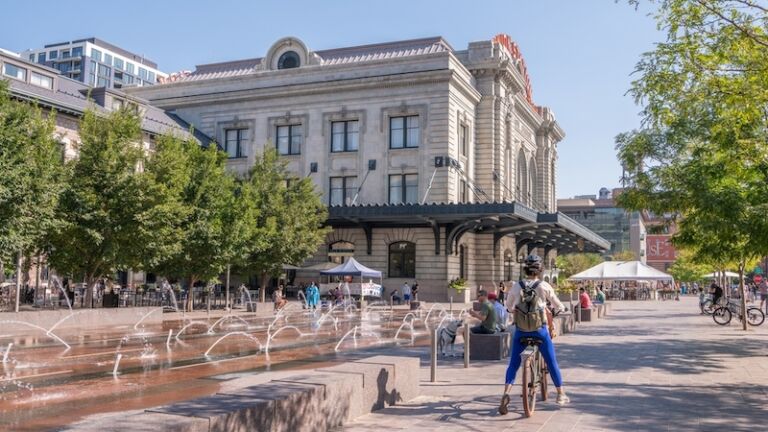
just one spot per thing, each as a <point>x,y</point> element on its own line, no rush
<point>97,63</point>
<point>624,229</point>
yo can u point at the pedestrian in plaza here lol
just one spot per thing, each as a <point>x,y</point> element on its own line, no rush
<point>278,299</point>
<point>502,292</point>
<point>415,291</point>
<point>486,315</point>
<point>716,291</point>
<point>600,297</point>
<point>528,302</point>
<point>763,288</point>
<point>312,295</point>
<point>501,312</point>
<point>406,293</point>
<point>584,300</point>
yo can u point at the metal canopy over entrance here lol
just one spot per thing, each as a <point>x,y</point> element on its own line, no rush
<point>530,228</point>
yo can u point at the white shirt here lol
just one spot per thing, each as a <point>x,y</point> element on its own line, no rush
<point>544,293</point>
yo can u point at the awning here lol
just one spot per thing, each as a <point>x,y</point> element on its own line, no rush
<point>530,228</point>
<point>352,268</point>
<point>622,271</point>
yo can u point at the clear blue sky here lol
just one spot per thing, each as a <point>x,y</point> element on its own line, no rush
<point>580,54</point>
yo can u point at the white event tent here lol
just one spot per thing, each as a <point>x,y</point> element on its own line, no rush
<point>622,271</point>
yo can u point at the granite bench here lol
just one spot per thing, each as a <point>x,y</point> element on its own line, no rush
<point>322,399</point>
<point>489,346</point>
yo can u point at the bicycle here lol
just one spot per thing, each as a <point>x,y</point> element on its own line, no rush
<point>723,314</point>
<point>709,306</point>
<point>534,374</point>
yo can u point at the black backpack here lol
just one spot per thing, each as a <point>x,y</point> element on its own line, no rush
<point>529,317</point>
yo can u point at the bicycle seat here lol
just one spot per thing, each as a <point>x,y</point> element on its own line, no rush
<point>528,341</point>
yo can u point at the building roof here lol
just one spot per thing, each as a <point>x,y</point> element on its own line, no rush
<point>355,54</point>
<point>70,96</point>
<point>114,48</point>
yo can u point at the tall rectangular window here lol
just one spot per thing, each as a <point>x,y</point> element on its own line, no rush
<point>108,59</point>
<point>344,136</point>
<point>78,52</point>
<point>95,54</point>
<point>129,68</point>
<point>151,77</point>
<point>463,191</point>
<point>14,71</point>
<point>234,142</point>
<point>289,139</point>
<point>118,63</point>
<point>403,188</point>
<point>342,190</point>
<point>404,132</point>
<point>463,140</point>
<point>53,55</point>
<point>41,57</point>
<point>143,73</point>
<point>65,54</point>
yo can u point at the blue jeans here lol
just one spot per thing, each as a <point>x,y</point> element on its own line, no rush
<point>547,349</point>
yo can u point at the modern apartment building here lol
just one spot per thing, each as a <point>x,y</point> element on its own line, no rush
<point>435,162</point>
<point>97,63</point>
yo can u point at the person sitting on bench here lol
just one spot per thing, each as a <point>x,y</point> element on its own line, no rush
<point>486,315</point>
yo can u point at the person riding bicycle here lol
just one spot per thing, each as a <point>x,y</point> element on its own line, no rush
<point>716,292</point>
<point>527,302</point>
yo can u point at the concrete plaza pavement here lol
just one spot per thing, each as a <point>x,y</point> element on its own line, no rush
<point>649,366</point>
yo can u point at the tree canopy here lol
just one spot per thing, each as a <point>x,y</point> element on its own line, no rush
<point>702,153</point>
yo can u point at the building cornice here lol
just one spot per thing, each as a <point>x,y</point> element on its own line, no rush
<point>405,79</point>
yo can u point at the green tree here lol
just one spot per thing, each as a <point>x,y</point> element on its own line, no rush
<point>686,269</point>
<point>32,178</point>
<point>703,151</point>
<point>289,227</point>
<point>209,219</point>
<point>626,255</point>
<point>100,200</point>
<point>570,264</point>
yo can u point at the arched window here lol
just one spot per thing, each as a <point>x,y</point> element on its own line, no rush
<point>402,260</point>
<point>509,264</point>
<point>508,171</point>
<point>288,60</point>
<point>521,187</point>
<point>532,189</point>
<point>339,251</point>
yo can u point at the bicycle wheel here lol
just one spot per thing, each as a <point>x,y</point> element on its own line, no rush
<point>543,378</point>
<point>722,315</point>
<point>755,316</point>
<point>708,307</point>
<point>529,387</point>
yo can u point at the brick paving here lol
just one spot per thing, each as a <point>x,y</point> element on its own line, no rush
<point>649,366</point>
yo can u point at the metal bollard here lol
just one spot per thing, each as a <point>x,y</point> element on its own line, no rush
<point>466,346</point>
<point>433,356</point>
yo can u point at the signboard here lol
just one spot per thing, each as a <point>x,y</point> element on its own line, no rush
<point>659,249</point>
<point>758,279</point>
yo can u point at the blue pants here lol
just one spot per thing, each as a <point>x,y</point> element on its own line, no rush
<point>547,351</point>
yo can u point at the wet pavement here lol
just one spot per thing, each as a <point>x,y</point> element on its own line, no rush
<point>649,366</point>
<point>45,386</point>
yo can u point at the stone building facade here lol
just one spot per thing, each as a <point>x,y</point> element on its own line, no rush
<point>435,162</point>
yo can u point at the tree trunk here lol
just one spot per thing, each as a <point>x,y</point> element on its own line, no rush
<point>18,280</point>
<point>228,307</point>
<point>742,264</point>
<point>2,271</point>
<point>38,273</point>
<point>263,287</point>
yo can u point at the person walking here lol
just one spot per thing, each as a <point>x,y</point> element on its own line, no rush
<point>312,295</point>
<point>406,293</point>
<point>528,302</point>
<point>502,292</point>
<point>763,288</point>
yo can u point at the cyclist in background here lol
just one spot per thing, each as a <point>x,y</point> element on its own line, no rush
<point>716,291</point>
<point>544,293</point>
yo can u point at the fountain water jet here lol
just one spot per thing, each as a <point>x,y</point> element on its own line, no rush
<point>55,280</point>
<point>193,323</point>
<point>353,332</point>
<point>7,351</point>
<point>117,364</point>
<point>241,333</point>
<point>168,341</point>
<point>271,336</point>
<point>224,318</point>
<point>50,334</point>
<point>136,326</point>
<point>405,325</point>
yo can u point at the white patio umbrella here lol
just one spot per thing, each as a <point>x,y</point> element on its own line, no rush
<point>622,271</point>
